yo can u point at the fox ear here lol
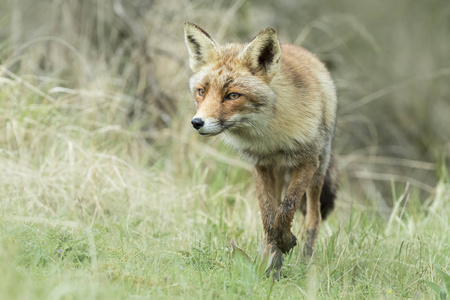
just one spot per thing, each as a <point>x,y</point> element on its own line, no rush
<point>202,48</point>
<point>263,53</point>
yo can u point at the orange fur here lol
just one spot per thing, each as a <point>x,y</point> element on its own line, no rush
<point>282,122</point>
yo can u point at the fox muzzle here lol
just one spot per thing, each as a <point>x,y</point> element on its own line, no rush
<point>197,123</point>
<point>207,126</point>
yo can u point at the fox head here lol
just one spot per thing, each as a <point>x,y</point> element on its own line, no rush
<point>231,83</point>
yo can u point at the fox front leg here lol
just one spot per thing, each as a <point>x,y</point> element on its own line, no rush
<point>268,198</point>
<point>268,183</point>
<point>281,234</point>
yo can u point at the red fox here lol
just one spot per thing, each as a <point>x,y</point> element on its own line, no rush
<point>276,106</point>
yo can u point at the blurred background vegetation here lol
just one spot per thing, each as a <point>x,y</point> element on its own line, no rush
<point>107,191</point>
<point>115,67</point>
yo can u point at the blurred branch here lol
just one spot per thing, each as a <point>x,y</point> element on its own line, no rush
<point>227,17</point>
<point>20,50</point>
<point>26,83</point>
<point>394,177</point>
<point>16,24</point>
<point>165,103</point>
<point>388,161</point>
<point>180,61</point>
<point>392,89</point>
<point>120,12</point>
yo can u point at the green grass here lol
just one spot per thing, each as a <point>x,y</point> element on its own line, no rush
<point>181,251</point>
<point>83,216</point>
<point>108,193</point>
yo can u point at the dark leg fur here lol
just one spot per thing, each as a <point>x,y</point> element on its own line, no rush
<point>328,194</point>
<point>280,234</point>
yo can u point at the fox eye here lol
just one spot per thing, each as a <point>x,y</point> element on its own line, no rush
<point>201,92</point>
<point>232,96</point>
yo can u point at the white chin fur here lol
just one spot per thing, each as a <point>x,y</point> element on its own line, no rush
<point>211,127</point>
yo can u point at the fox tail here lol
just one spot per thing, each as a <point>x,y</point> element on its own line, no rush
<point>329,189</point>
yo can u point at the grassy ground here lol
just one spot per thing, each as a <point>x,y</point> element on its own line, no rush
<point>107,193</point>
<point>84,216</point>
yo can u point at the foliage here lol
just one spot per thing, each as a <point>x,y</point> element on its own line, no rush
<point>107,193</point>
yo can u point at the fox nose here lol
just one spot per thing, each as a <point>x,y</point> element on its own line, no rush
<point>197,123</point>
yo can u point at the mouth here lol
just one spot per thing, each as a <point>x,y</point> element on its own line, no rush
<point>215,128</point>
<point>209,133</point>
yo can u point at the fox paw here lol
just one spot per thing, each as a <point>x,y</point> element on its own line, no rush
<point>288,242</point>
<point>285,241</point>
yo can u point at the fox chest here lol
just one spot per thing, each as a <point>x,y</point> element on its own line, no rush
<point>267,151</point>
